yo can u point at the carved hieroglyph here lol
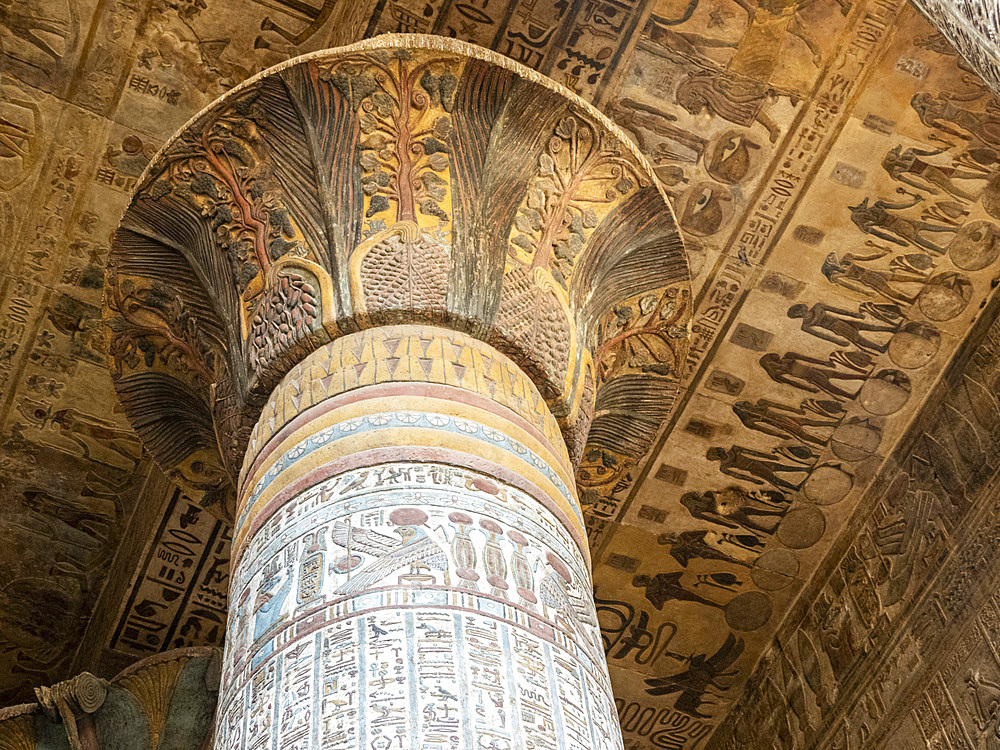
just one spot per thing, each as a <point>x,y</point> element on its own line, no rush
<point>410,560</point>
<point>769,124</point>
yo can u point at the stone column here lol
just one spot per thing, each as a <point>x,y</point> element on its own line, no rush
<point>410,560</point>
<point>428,300</point>
<point>973,29</point>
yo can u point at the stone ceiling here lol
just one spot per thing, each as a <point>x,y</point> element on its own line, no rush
<point>784,546</point>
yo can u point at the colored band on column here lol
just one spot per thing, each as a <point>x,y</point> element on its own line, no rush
<point>356,400</point>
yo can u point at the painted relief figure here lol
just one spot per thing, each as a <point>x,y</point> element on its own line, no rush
<point>809,374</point>
<point>559,591</point>
<point>789,422</point>
<point>268,612</point>
<point>734,98</point>
<point>415,549</point>
<point>848,273</point>
<point>983,698</point>
<point>84,430</point>
<point>879,220</point>
<point>637,118</point>
<point>35,23</point>
<point>705,544</point>
<point>839,326</point>
<point>73,512</point>
<point>702,679</point>
<point>666,587</point>
<point>939,112</point>
<point>315,17</point>
<point>734,507</point>
<point>912,167</point>
<point>759,467</point>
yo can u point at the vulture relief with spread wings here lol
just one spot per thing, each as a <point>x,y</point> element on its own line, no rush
<point>414,548</point>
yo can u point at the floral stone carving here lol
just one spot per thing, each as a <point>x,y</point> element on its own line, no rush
<point>402,179</point>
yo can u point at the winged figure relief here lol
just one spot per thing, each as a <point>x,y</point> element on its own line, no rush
<point>559,591</point>
<point>414,549</point>
<point>702,681</point>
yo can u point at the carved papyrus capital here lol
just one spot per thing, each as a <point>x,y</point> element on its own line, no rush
<point>172,695</point>
<point>405,179</point>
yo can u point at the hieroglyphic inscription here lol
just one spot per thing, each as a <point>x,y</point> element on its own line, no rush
<point>645,726</point>
<point>579,44</point>
<point>469,629</point>
<point>881,611</point>
<point>801,155</point>
<point>180,596</point>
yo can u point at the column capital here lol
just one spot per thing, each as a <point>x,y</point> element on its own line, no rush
<point>404,179</point>
<point>170,695</point>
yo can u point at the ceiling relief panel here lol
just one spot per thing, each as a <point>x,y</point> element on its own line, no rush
<point>838,278</point>
<point>913,566</point>
<point>834,170</point>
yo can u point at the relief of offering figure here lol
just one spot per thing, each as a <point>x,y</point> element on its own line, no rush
<point>910,167</point>
<point>783,421</point>
<point>761,467</point>
<point>940,113</point>
<point>848,273</point>
<point>840,326</point>
<point>706,544</point>
<point>734,507</point>
<point>808,374</point>
<point>877,219</point>
<point>734,98</point>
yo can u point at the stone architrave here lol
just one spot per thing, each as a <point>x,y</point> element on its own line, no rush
<point>388,307</point>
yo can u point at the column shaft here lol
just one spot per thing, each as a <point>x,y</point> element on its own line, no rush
<point>411,564</point>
